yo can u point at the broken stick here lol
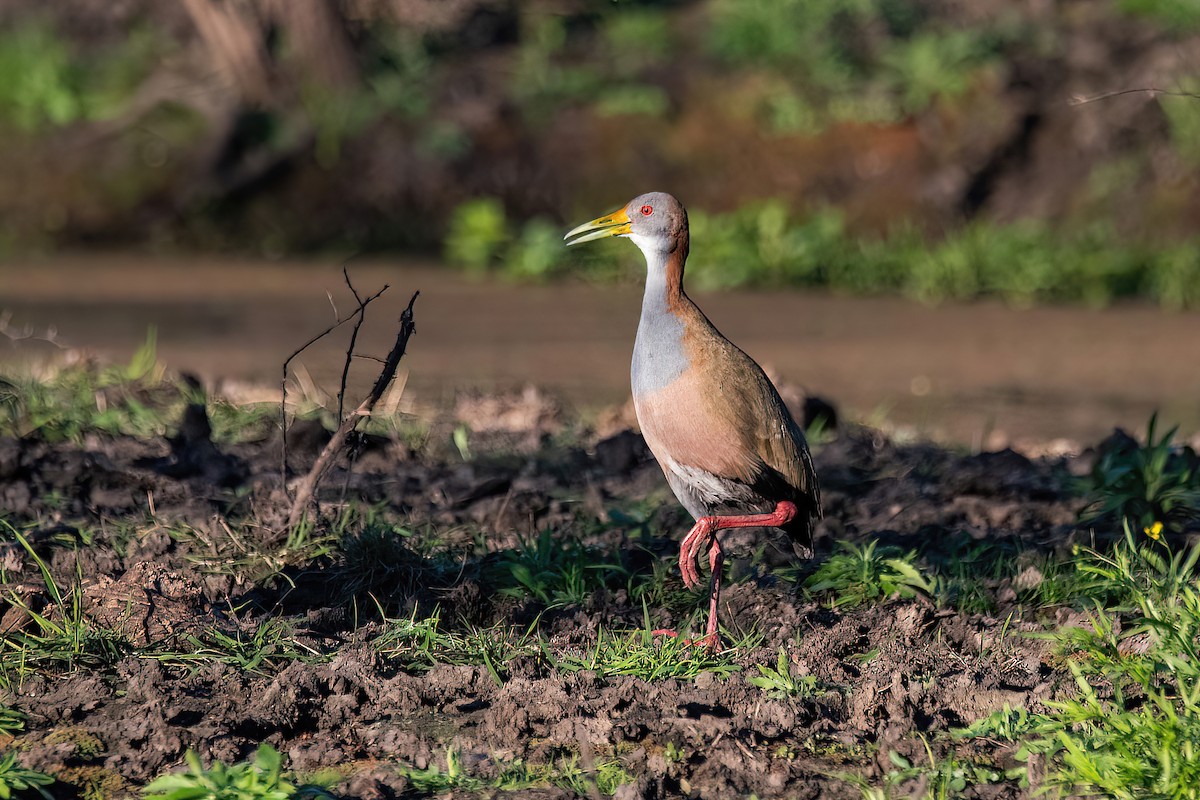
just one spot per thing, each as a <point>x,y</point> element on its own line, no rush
<point>306,492</point>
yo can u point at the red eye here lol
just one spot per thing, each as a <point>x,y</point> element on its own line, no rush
<point>647,210</point>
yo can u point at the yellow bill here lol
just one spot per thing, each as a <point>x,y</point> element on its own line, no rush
<point>614,224</point>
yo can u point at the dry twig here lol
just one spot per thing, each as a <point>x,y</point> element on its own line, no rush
<point>1079,100</point>
<point>338,322</point>
<point>306,492</point>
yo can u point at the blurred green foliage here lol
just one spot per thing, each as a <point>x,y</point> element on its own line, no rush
<point>540,81</point>
<point>82,397</point>
<point>929,65</point>
<point>85,397</point>
<point>1183,119</point>
<point>549,74</point>
<point>863,61</point>
<point>1141,485</point>
<point>637,39</point>
<point>766,245</point>
<point>44,84</point>
<point>1178,15</point>
<point>477,234</point>
<point>430,112</point>
<point>38,84</point>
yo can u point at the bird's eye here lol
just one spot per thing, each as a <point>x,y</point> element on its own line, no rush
<point>647,210</point>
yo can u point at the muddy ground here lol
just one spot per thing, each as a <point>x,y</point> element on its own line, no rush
<point>169,545</point>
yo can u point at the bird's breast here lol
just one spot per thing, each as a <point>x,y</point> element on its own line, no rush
<point>659,353</point>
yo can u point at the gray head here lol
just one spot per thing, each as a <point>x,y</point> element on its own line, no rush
<point>656,222</point>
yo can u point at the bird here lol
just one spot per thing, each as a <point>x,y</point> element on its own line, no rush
<point>727,444</point>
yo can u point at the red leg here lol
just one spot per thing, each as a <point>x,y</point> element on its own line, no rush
<point>702,534</point>
<point>716,560</point>
<point>712,638</point>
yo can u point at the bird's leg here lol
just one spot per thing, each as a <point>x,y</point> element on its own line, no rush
<point>711,639</point>
<point>716,560</point>
<point>703,533</point>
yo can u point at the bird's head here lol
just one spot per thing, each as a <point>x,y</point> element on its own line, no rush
<point>656,222</point>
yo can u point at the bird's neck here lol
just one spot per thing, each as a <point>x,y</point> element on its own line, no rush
<point>659,355</point>
<point>664,279</point>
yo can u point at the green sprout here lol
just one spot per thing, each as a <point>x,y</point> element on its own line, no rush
<point>778,680</point>
<point>15,779</point>
<point>1153,486</point>
<point>869,574</point>
<point>260,779</point>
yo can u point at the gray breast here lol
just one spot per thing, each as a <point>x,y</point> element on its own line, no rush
<point>658,354</point>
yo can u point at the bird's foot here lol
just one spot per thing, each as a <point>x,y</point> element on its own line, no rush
<point>711,641</point>
<point>699,537</point>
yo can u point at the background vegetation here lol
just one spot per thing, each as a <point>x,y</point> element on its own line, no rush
<point>933,148</point>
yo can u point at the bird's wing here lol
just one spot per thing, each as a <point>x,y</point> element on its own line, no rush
<point>725,418</point>
<point>779,442</point>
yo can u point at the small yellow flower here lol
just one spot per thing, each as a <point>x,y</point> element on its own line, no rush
<point>1154,531</point>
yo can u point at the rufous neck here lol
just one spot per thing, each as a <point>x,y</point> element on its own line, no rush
<point>664,274</point>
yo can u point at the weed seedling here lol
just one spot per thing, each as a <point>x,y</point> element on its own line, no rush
<point>15,779</point>
<point>12,721</point>
<point>778,681</point>
<point>260,779</point>
<point>1157,483</point>
<point>869,574</point>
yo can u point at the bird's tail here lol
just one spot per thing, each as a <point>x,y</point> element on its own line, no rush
<point>800,531</point>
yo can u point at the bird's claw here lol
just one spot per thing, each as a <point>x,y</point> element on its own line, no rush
<point>710,642</point>
<point>698,538</point>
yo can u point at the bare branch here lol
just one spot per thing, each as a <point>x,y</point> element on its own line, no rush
<point>1079,100</point>
<point>353,291</point>
<point>306,492</point>
<point>361,314</point>
<point>283,382</point>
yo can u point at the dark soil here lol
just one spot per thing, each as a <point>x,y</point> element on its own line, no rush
<point>108,510</point>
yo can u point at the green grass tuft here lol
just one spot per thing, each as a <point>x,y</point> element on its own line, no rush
<point>642,654</point>
<point>867,573</point>
<point>554,571</point>
<point>271,646</point>
<point>418,644</point>
<point>1141,739</point>
<point>1155,484</point>
<point>58,639</point>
